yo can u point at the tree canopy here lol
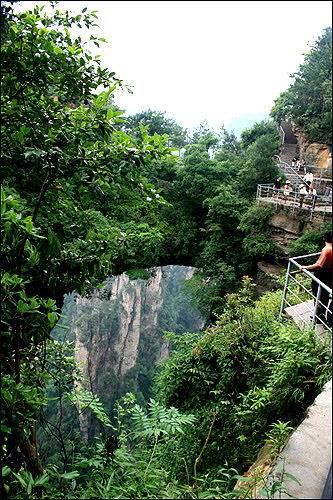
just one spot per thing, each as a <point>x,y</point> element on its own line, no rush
<point>156,122</point>
<point>308,101</point>
<point>57,156</point>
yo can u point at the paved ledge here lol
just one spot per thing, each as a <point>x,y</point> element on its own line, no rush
<point>301,313</point>
<point>308,453</point>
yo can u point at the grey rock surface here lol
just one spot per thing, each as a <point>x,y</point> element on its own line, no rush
<point>308,453</point>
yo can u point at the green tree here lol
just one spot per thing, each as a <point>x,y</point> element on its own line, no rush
<point>202,129</point>
<point>259,167</point>
<point>308,101</point>
<point>230,143</point>
<point>249,136</point>
<point>257,242</point>
<point>54,156</point>
<point>250,369</point>
<point>156,122</point>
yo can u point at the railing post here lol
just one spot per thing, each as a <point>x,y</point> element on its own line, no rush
<point>258,193</point>
<point>283,137</point>
<point>316,305</point>
<point>295,196</point>
<point>312,209</point>
<point>285,290</point>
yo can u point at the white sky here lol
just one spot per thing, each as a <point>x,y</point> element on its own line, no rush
<point>203,60</point>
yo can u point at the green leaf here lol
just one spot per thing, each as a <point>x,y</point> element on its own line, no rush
<point>41,480</point>
<point>21,480</point>
<point>50,318</point>
<point>5,471</point>
<point>293,478</point>
<point>29,226</point>
<point>69,475</point>
<point>4,428</point>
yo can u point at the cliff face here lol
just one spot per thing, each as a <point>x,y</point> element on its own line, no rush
<point>314,153</point>
<point>120,338</point>
<point>287,227</point>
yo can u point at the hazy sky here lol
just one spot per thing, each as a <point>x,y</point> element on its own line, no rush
<point>209,60</point>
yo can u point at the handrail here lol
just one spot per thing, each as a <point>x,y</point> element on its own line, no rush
<point>318,204</point>
<point>304,291</point>
<point>287,166</point>
<point>283,137</point>
<point>316,181</point>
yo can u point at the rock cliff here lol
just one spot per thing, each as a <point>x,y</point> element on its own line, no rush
<point>314,153</point>
<point>119,339</point>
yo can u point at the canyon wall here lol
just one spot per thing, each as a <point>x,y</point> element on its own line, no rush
<point>287,227</point>
<point>119,339</point>
<point>314,153</point>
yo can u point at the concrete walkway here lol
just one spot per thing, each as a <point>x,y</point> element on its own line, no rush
<point>301,313</point>
<point>308,453</point>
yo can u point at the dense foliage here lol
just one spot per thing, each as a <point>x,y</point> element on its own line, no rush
<point>81,197</point>
<point>308,101</point>
<point>56,157</point>
<point>250,370</point>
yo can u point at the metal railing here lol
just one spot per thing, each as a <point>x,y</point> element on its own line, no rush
<point>297,290</point>
<point>283,135</point>
<point>287,170</point>
<point>310,204</point>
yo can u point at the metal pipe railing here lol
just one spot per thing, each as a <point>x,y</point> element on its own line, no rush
<point>319,203</point>
<point>282,138</point>
<point>286,169</point>
<point>292,284</point>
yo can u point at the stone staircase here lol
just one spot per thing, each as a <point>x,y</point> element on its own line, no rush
<point>289,137</point>
<point>288,153</point>
<point>289,146</point>
<point>289,150</point>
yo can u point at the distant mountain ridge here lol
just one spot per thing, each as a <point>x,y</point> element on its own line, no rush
<point>242,122</point>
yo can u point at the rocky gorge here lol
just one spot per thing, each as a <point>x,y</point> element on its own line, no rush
<point>119,333</point>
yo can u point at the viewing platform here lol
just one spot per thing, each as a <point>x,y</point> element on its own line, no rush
<point>299,302</point>
<point>307,455</point>
<point>320,206</point>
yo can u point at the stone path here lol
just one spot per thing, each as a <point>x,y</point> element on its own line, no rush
<point>308,454</point>
<point>301,313</point>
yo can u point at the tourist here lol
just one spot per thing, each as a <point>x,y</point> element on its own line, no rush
<point>286,190</point>
<point>302,167</point>
<point>302,193</point>
<point>322,271</point>
<point>293,162</point>
<point>277,186</point>
<point>308,179</point>
<point>313,193</point>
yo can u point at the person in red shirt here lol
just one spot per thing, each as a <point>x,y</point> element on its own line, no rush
<point>323,271</point>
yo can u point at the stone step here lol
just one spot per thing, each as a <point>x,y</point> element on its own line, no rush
<point>301,313</point>
<point>289,137</point>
